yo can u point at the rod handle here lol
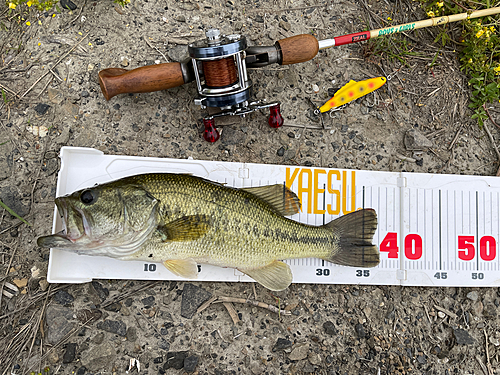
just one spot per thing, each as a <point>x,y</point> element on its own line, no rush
<point>148,78</point>
<point>297,49</point>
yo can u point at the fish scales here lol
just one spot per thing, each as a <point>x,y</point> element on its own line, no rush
<point>245,231</point>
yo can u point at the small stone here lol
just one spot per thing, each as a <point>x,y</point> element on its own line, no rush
<point>81,371</point>
<point>68,4</point>
<point>113,326</point>
<point>98,356</point>
<point>148,301</point>
<point>131,334</point>
<point>70,353</point>
<point>285,25</point>
<point>441,314</point>
<point>259,19</point>
<point>55,96</point>
<point>175,360</point>
<point>192,298</point>
<point>10,196</point>
<point>58,322</point>
<point>414,140</point>
<point>163,344</point>
<point>314,359</point>
<point>98,339</point>
<point>102,292</point>
<point>84,94</point>
<point>282,344</point>
<point>299,353</point>
<point>421,359</point>
<point>463,337</point>
<point>281,151</point>
<point>190,363</point>
<point>473,296</point>
<point>308,368</point>
<point>41,108</point>
<point>114,307</point>
<point>360,330</point>
<point>180,18</point>
<point>63,298</point>
<point>177,54</point>
<point>329,328</point>
<point>124,61</point>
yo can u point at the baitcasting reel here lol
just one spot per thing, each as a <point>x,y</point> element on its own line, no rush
<point>218,64</point>
<point>222,81</point>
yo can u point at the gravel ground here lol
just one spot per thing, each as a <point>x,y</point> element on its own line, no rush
<point>103,327</point>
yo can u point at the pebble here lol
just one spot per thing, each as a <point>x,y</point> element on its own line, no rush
<point>12,199</point>
<point>285,25</point>
<point>163,344</point>
<point>114,326</point>
<point>175,360</point>
<point>281,151</point>
<point>114,307</point>
<point>414,140</point>
<point>473,296</point>
<point>131,334</point>
<point>314,359</point>
<point>308,368</point>
<point>41,108</point>
<point>282,344</point>
<point>463,337</point>
<point>98,356</point>
<point>360,330</point>
<point>190,363</point>
<point>299,353</point>
<point>329,328</point>
<point>148,301</point>
<point>58,322</point>
<point>70,353</point>
<point>84,94</point>
<point>180,18</point>
<point>441,314</point>
<point>68,4</point>
<point>98,339</point>
<point>192,298</point>
<point>82,371</point>
<point>63,298</point>
<point>102,292</point>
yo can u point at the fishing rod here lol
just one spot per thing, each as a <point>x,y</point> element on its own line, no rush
<point>219,65</point>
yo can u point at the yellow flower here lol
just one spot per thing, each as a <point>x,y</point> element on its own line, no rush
<point>497,70</point>
<point>440,4</point>
<point>29,3</point>
<point>12,6</point>
<point>430,13</point>
<point>479,33</point>
<point>492,29</point>
<point>389,18</point>
<point>28,23</point>
<point>470,61</point>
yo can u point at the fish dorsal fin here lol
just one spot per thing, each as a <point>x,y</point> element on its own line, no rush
<point>187,268</point>
<point>187,228</point>
<point>275,276</point>
<point>346,86</point>
<point>281,198</point>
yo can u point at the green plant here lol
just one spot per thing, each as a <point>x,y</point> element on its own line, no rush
<point>479,51</point>
<point>9,210</point>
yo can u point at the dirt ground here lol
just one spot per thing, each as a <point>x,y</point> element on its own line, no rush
<point>52,99</point>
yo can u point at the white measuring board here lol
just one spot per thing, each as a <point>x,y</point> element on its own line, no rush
<point>433,230</point>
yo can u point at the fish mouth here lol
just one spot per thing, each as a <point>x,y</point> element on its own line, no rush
<point>72,236</point>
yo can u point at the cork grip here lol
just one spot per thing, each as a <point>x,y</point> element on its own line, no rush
<point>298,48</point>
<point>149,78</point>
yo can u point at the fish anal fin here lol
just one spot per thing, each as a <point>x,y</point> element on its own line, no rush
<point>186,228</point>
<point>279,197</point>
<point>275,276</point>
<point>187,268</point>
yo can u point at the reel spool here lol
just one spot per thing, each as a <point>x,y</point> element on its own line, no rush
<point>222,81</point>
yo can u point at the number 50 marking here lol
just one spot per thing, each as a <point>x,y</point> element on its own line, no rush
<point>413,245</point>
<point>467,251</point>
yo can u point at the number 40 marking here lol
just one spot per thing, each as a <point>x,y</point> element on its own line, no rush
<point>413,245</point>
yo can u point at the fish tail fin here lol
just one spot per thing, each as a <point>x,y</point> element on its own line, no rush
<point>355,231</point>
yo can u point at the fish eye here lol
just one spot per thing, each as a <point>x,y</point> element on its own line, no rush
<point>87,197</point>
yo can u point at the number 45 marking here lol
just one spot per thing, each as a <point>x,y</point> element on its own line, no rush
<point>413,246</point>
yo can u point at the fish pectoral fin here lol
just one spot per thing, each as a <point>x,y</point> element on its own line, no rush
<point>281,198</point>
<point>275,276</point>
<point>187,228</point>
<point>187,268</point>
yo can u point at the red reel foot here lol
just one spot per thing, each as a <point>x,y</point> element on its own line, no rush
<point>275,119</point>
<point>210,133</point>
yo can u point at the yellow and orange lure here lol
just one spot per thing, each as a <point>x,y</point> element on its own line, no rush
<point>352,91</point>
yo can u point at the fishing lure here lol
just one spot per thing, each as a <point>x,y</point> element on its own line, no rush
<point>352,91</point>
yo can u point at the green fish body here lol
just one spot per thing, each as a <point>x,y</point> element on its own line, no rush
<point>182,220</point>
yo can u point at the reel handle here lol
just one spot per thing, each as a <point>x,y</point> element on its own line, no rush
<point>148,78</point>
<point>297,49</point>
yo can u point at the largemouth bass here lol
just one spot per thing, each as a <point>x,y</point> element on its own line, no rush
<point>182,220</point>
